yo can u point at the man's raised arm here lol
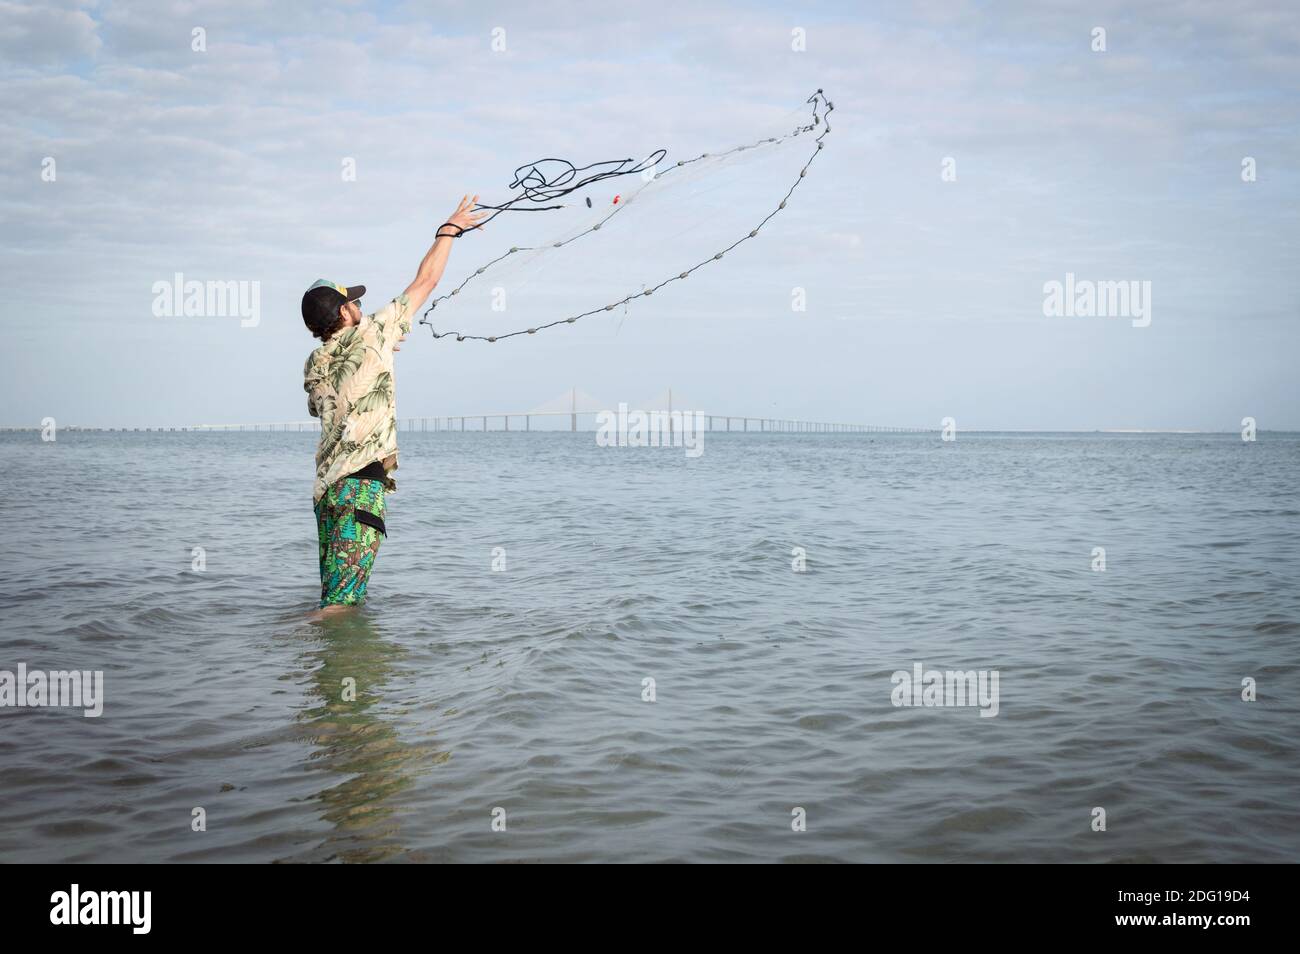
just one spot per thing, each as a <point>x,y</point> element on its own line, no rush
<point>435,260</point>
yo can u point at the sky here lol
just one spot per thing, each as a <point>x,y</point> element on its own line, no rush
<point>981,151</point>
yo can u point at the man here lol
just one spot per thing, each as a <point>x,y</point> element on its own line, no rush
<point>349,384</point>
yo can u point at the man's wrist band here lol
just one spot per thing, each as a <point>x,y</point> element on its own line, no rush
<point>450,225</point>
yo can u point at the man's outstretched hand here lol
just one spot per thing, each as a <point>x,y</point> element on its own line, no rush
<point>465,217</point>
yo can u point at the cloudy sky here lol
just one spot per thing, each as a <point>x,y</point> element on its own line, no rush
<point>925,292</point>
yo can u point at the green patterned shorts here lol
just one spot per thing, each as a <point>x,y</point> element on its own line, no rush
<point>350,527</point>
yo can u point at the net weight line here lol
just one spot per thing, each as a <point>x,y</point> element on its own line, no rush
<point>536,186</point>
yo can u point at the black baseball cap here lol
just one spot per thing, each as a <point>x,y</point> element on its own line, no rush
<point>321,302</point>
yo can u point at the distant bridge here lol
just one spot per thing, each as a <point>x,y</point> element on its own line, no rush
<point>572,404</point>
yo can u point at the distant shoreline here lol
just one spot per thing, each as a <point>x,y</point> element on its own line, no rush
<point>277,429</point>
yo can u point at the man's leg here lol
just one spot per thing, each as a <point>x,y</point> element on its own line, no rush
<point>349,546</point>
<point>327,514</point>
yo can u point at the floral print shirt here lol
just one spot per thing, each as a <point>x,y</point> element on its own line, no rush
<point>349,385</point>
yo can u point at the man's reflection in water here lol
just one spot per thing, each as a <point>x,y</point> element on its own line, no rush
<point>351,663</point>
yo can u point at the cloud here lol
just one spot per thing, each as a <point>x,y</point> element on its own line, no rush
<point>45,34</point>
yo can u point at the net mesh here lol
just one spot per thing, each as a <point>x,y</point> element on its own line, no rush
<point>608,236</point>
